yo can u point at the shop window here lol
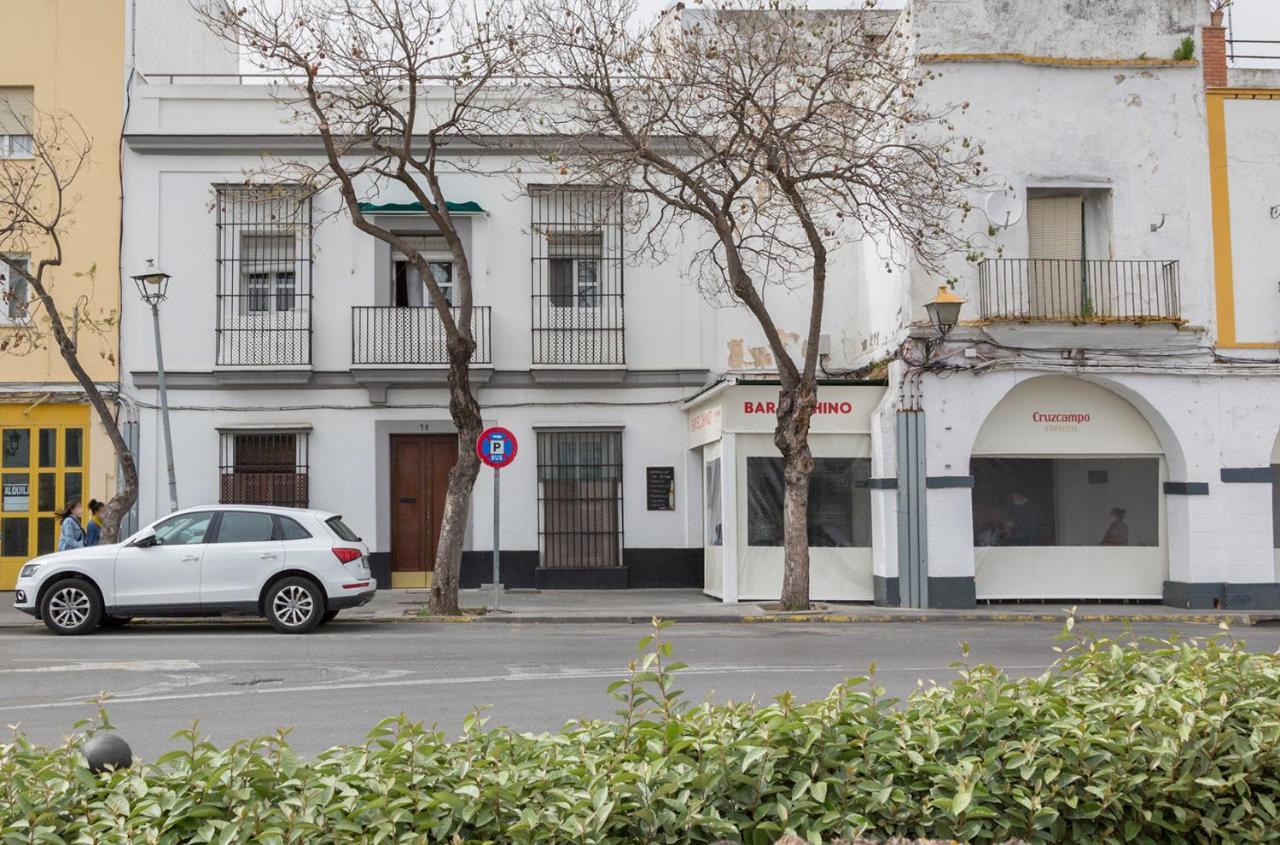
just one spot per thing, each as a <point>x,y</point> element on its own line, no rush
<point>42,470</point>
<point>580,498</point>
<point>17,111</point>
<point>839,502</point>
<point>1066,501</point>
<point>264,468</point>
<point>14,536</point>
<point>16,444</point>
<point>715,514</point>
<point>48,447</point>
<point>74,447</point>
<point>14,294</point>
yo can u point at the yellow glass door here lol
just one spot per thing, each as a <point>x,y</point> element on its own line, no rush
<point>43,458</point>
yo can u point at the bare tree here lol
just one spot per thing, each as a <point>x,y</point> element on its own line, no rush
<point>783,133</point>
<point>393,89</point>
<point>37,210</point>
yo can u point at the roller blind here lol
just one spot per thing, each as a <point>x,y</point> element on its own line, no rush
<point>15,111</point>
<point>1056,227</point>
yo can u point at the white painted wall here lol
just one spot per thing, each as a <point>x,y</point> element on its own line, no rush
<point>1253,185</point>
<point>1102,29</point>
<point>1138,133</point>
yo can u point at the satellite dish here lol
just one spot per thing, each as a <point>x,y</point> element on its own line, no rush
<point>1006,205</point>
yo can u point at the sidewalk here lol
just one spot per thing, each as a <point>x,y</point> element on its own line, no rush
<point>691,606</point>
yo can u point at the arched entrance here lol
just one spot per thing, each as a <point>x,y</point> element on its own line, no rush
<point>1067,497</point>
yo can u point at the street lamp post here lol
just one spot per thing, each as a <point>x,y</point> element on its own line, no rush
<point>153,285</point>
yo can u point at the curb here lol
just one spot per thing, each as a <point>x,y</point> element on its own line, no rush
<point>1242,619</point>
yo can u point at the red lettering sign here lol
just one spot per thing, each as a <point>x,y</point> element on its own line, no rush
<point>838,408</point>
<point>1069,417</point>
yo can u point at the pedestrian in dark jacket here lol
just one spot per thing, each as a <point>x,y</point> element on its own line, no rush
<point>93,534</point>
<point>72,532</point>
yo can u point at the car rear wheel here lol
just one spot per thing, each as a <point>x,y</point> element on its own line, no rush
<point>294,606</point>
<point>71,607</point>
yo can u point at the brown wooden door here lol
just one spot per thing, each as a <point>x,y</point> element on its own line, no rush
<point>420,465</point>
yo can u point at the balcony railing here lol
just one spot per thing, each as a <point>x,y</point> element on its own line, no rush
<point>393,335</point>
<point>1079,291</point>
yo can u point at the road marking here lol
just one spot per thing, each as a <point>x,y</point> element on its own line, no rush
<point>611,674</point>
<point>118,665</point>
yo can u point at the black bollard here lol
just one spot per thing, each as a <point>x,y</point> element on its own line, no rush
<point>105,751</point>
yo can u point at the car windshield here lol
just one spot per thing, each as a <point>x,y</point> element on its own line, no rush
<point>340,528</point>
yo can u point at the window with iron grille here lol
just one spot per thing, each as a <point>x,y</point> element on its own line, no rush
<point>264,468</point>
<point>577,276</point>
<point>580,499</point>
<point>264,275</point>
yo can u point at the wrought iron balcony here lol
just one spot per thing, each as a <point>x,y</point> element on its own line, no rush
<point>389,335</point>
<point>1048,289</point>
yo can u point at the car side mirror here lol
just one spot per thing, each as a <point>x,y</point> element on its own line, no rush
<point>146,541</point>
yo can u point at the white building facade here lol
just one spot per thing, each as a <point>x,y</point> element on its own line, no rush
<point>1085,433</point>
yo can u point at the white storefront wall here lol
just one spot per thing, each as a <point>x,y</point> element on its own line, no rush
<point>349,471</point>
<point>733,423</point>
<point>1213,531</point>
<point>1058,417</point>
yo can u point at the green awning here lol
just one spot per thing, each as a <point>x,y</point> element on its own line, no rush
<point>470,207</point>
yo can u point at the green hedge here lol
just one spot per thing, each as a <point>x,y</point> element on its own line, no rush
<point>1153,742</point>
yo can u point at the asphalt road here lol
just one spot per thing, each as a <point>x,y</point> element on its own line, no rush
<point>333,685</point>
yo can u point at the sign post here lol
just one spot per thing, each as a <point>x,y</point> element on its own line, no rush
<point>496,447</point>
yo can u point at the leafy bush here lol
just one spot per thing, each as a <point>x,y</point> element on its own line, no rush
<point>1151,742</point>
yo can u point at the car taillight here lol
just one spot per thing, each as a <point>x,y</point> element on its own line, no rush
<point>346,555</point>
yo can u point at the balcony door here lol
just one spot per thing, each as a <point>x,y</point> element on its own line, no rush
<point>420,465</point>
<point>1056,244</point>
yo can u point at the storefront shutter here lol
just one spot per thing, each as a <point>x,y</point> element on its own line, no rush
<point>15,111</point>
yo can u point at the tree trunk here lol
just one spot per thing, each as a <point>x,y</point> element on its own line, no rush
<point>791,436</point>
<point>465,411</point>
<point>119,504</point>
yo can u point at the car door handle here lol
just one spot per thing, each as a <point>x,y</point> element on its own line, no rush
<point>190,558</point>
<point>267,556</point>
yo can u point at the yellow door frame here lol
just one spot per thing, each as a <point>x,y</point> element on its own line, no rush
<point>1220,200</point>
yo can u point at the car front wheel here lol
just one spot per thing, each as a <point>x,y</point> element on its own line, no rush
<point>71,607</point>
<point>294,606</point>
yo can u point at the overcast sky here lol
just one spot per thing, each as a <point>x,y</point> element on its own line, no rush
<point>1257,19</point>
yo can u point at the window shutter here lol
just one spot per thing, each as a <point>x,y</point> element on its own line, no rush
<point>1056,228</point>
<point>15,111</point>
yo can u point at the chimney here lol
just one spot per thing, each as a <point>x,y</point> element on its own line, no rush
<point>1213,52</point>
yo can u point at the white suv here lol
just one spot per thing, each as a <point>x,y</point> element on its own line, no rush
<point>296,567</point>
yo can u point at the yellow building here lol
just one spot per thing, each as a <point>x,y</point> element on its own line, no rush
<point>68,59</point>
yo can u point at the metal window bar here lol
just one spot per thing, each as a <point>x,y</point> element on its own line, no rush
<point>1051,289</point>
<point>264,468</point>
<point>580,499</point>
<point>1269,52</point>
<point>577,252</point>
<point>382,334</point>
<point>264,258</point>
